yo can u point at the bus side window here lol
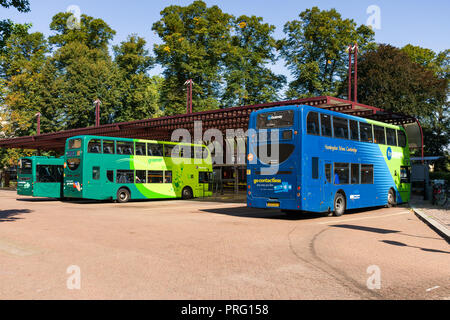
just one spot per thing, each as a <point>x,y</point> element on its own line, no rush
<point>391,137</point>
<point>94,146</point>
<point>354,130</point>
<point>168,177</point>
<point>155,150</point>
<point>125,176</point>
<point>108,147</point>
<point>380,137</point>
<point>366,132</point>
<point>340,127</point>
<point>155,177</point>
<point>325,121</point>
<point>140,149</point>
<point>366,174</point>
<point>401,139</point>
<point>140,176</point>
<point>96,173</point>
<point>328,172</point>
<point>312,123</point>
<point>341,173</point>
<point>355,173</point>
<point>110,175</point>
<point>315,168</point>
<point>125,148</point>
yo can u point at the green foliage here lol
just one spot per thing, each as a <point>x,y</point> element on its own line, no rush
<point>390,78</point>
<point>7,27</point>
<point>139,94</point>
<point>315,50</point>
<point>94,33</point>
<point>20,5</point>
<point>225,56</point>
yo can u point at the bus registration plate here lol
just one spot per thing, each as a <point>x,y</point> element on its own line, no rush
<point>273,204</point>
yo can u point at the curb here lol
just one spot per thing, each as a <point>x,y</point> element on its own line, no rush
<point>433,224</point>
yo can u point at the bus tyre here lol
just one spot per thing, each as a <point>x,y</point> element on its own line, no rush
<point>123,195</point>
<point>391,199</point>
<point>339,204</point>
<point>187,194</point>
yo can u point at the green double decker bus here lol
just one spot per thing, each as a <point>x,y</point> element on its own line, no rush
<point>106,168</point>
<point>40,177</point>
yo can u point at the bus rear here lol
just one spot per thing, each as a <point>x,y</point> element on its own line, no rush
<point>25,177</point>
<point>40,177</point>
<point>273,167</point>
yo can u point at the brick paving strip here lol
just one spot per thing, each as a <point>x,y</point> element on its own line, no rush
<point>437,218</point>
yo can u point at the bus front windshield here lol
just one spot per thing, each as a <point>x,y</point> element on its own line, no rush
<point>274,120</point>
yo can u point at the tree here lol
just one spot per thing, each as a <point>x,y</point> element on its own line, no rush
<point>139,93</point>
<point>195,39</point>
<point>315,50</point>
<point>390,79</point>
<point>248,80</point>
<point>7,27</point>
<point>94,33</point>
<point>21,65</point>
<point>225,56</point>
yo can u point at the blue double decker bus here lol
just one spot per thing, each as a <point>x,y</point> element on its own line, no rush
<point>324,161</point>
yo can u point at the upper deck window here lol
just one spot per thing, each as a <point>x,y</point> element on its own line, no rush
<point>74,144</point>
<point>366,132</point>
<point>125,147</point>
<point>340,127</point>
<point>391,138</point>
<point>155,150</point>
<point>277,119</point>
<point>312,123</point>
<point>108,147</point>
<point>354,130</point>
<point>95,146</point>
<point>401,139</point>
<point>380,137</point>
<point>140,149</point>
<point>325,121</point>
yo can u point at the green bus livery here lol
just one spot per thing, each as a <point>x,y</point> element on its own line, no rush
<point>40,177</point>
<point>107,168</point>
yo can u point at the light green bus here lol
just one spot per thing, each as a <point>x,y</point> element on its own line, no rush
<point>40,177</point>
<point>106,168</point>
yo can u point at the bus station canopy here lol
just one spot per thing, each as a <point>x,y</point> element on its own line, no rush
<point>222,119</point>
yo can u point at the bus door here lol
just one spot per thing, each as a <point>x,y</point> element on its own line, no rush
<point>205,181</point>
<point>327,188</point>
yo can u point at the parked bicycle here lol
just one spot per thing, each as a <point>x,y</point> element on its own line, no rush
<point>440,193</point>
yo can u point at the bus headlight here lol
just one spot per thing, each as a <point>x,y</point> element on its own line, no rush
<point>250,157</point>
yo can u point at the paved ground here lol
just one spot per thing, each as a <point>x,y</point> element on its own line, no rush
<point>205,250</point>
<point>438,213</point>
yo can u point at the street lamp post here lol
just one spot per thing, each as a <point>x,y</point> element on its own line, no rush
<point>188,85</point>
<point>97,104</point>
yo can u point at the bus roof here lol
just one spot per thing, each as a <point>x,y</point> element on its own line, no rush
<point>131,139</point>
<point>325,111</point>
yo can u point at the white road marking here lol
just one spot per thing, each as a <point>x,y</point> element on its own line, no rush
<point>365,218</point>
<point>436,287</point>
<point>14,249</point>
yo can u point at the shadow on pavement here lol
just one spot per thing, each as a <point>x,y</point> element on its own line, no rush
<point>38,199</point>
<point>11,215</point>
<point>367,229</point>
<point>401,244</point>
<point>245,212</point>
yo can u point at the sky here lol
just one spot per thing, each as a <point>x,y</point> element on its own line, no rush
<point>422,23</point>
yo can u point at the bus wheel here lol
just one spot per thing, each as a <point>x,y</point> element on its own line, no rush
<point>391,199</point>
<point>123,195</point>
<point>187,194</point>
<point>339,204</point>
